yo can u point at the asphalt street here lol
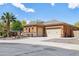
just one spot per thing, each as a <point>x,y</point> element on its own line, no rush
<point>18,49</point>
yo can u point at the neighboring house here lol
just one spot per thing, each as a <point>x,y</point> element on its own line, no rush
<point>49,29</point>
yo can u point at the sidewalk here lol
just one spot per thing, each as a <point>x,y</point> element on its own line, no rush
<point>40,42</point>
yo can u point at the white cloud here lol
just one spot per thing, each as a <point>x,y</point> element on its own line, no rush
<point>21,6</point>
<point>70,5</point>
<point>52,4</point>
<point>28,21</point>
<point>73,5</point>
<point>2,3</point>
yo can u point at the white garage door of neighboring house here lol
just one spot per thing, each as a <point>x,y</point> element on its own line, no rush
<point>55,33</point>
<point>76,33</point>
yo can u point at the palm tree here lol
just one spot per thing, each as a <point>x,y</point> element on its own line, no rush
<point>7,17</point>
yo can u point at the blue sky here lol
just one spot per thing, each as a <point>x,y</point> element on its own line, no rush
<point>43,11</point>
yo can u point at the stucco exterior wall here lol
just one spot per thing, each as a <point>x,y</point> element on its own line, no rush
<point>34,29</point>
<point>40,31</point>
<point>24,29</point>
<point>68,30</point>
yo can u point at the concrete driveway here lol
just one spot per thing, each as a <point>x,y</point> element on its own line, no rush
<point>19,49</point>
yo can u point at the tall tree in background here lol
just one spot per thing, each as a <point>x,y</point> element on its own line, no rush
<point>7,17</point>
<point>23,23</point>
<point>77,24</point>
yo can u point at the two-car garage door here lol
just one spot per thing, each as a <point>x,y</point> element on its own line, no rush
<point>55,33</point>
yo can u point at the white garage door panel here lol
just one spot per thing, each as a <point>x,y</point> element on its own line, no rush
<point>54,33</point>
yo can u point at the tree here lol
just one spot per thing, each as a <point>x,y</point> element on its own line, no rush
<point>16,26</point>
<point>1,27</point>
<point>23,23</point>
<point>2,33</point>
<point>7,17</point>
<point>77,24</point>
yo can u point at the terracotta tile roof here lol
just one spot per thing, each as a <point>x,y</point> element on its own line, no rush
<point>46,23</point>
<point>53,22</point>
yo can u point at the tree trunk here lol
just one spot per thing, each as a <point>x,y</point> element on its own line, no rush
<point>8,28</point>
<point>7,34</point>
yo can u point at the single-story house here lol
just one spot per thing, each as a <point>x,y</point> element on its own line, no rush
<point>53,28</point>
